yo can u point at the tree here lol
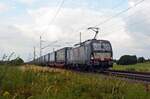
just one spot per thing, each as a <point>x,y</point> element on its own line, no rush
<point>17,61</point>
<point>127,60</point>
<point>141,60</point>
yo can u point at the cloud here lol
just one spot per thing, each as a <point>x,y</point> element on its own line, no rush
<point>127,35</point>
<point>13,41</point>
<point>138,20</point>
<point>137,25</point>
<point>65,23</point>
<point>68,24</point>
<point>27,2</point>
<point>3,7</point>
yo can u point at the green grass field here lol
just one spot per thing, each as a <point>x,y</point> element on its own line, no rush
<point>30,82</point>
<point>142,67</point>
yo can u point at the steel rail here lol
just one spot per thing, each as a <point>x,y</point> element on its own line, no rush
<point>141,76</point>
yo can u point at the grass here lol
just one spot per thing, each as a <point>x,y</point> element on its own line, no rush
<point>32,82</point>
<point>141,67</point>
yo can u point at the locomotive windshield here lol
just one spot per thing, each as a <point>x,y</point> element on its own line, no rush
<point>103,46</point>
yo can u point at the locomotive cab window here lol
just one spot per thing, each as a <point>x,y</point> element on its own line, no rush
<point>101,46</point>
<point>102,51</point>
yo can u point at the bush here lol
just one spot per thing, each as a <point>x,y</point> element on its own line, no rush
<point>115,60</point>
<point>17,61</point>
<point>127,60</point>
<point>141,60</point>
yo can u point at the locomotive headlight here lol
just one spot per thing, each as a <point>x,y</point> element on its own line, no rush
<point>111,58</point>
<point>92,57</point>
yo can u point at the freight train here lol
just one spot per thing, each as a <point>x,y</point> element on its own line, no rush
<point>89,55</point>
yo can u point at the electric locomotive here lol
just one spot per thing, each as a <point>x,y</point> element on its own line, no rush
<point>91,54</point>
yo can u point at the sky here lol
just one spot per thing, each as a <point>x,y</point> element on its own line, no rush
<point>23,21</point>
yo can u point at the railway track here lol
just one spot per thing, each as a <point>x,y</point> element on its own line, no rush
<point>137,76</point>
<point>140,76</point>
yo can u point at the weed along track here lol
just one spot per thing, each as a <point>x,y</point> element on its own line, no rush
<point>35,82</point>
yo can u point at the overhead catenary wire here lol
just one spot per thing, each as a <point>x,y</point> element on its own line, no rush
<point>131,24</point>
<point>121,12</point>
<point>116,15</point>
<point>51,21</point>
<point>55,15</point>
<point>101,23</point>
<point>62,5</point>
<point>114,7</point>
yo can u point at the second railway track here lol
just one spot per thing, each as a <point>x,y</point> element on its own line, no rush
<point>140,76</point>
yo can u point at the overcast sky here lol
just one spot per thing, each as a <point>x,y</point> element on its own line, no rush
<point>23,21</point>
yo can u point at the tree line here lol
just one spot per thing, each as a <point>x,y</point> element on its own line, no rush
<point>7,60</point>
<point>130,59</point>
